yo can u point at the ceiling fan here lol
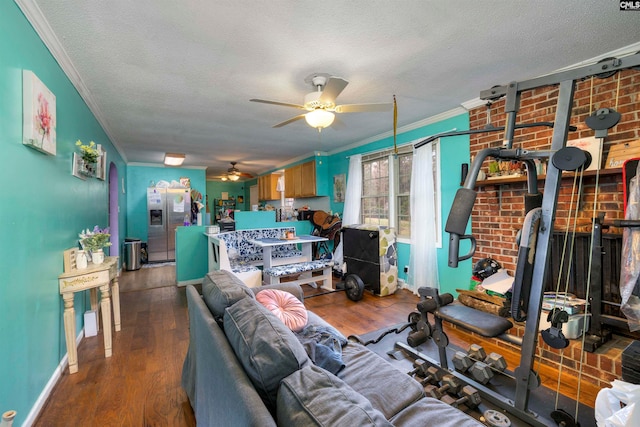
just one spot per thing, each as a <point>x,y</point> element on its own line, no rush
<point>321,104</point>
<point>234,174</point>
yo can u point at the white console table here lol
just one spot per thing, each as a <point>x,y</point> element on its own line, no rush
<point>101,276</point>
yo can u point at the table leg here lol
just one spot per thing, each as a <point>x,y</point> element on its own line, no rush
<point>93,299</point>
<point>306,251</point>
<point>70,332</point>
<point>266,257</point>
<point>105,306</point>
<point>115,297</point>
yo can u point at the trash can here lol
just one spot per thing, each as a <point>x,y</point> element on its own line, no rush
<point>132,250</point>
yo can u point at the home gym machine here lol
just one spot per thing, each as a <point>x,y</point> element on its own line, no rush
<point>534,245</point>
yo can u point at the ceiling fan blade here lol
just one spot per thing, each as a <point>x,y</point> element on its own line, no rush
<point>244,174</point>
<point>333,88</point>
<point>291,120</point>
<point>283,104</point>
<point>364,108</point>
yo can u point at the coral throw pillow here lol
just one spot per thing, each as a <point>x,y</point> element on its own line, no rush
<point>285,306</point>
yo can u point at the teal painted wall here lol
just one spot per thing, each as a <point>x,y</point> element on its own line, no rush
<point>191,254</point>
<point>42,211</point>
<point>453,152</point>
<point>137,182</point>
<point>235,189</point>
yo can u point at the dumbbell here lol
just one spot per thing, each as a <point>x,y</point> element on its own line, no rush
<point>482,369</point>
<point>419,366</point>
<point>449,384</point>
<point>469,396</point>
<point>434,375</point>
<point>495,360</point>
<point>463,361</point>
<point>481,372</point>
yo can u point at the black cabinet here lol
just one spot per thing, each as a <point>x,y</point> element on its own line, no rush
<point>371,253</point>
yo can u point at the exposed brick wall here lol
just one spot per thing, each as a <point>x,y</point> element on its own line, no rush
<point>499,210</point>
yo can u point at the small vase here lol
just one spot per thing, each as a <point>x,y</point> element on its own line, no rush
<point>97,256</point>
<point>81,260</point>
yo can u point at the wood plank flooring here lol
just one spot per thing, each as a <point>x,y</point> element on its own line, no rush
<point>140,384</point>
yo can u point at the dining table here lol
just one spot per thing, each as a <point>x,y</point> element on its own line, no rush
<point>305,241</point>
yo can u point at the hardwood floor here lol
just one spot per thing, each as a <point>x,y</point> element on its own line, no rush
<point>140,384</point>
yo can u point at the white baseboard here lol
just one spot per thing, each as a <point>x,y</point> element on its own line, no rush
<point>48,388</point>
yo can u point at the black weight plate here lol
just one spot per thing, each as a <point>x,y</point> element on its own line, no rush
<point>413,318</point>
<point>354,287</point>
<point>562,418</point>
<point>569,158</point>
<point>604,118</point>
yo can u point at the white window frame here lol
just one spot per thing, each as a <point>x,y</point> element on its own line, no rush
<point>394,185</point>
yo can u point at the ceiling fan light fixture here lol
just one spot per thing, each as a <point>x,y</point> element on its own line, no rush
<point>224,178</point>
<point>319,118</point>
<point>173,159</point>
<point>234,177</point>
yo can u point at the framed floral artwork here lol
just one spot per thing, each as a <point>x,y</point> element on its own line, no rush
<point>339,187</point>
<point>38,114</point>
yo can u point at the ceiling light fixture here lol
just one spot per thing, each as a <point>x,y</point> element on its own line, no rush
<point>234,177</point>
<point>224,178</point>
<point>319,118</point>
<point>173,159</point>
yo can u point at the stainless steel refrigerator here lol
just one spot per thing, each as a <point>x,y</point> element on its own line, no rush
<point>166,209</point>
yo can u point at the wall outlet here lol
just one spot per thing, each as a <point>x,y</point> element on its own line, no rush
<point>406,268</point>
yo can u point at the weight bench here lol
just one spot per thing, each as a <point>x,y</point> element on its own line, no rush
<point>305,269</point>
<point>484,324</point>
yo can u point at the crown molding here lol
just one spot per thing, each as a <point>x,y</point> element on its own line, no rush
<point>403,129</point>
<point>41,26</point>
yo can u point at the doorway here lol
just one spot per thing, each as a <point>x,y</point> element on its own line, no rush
<point>114,228</point>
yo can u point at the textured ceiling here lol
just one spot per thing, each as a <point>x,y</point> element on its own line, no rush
<point>176,76</point>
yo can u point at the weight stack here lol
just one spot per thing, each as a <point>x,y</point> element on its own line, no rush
<point>631,363</point>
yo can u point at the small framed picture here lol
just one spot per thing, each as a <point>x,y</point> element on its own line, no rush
<point>240,199</point>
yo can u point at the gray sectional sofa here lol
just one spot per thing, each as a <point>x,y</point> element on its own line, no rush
<point>244,367</point>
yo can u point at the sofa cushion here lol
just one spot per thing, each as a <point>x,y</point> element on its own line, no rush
<point>285,306</point>
<point>431,412</point>
<point>266,348</point>
<point>313,396</point>
<point>222,289</point>
<point>399,390</point>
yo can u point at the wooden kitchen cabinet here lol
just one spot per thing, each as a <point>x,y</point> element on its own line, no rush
<point>300,180</point>
<point>267,185</point>
<point>308,179</point>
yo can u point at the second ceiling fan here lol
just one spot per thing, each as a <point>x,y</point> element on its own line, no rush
<point>233,173</point>
<point>321,104</point>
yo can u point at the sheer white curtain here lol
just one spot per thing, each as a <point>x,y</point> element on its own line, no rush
<point>351,213</point>
<point>423,265</point>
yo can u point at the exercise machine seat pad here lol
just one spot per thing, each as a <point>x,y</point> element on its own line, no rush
<point>482,323</point>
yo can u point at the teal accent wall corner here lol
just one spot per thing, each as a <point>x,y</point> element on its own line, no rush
<point>138,180</point>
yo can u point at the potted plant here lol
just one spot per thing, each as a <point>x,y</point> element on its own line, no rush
<point>90,155</point>
<point>93,241</point>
